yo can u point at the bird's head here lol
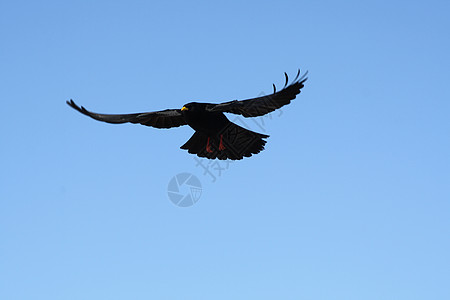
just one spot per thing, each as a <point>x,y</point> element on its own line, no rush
<point>192,107</point>
<point>186,107</point>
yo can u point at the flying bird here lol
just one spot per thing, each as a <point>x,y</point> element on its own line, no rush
<point>215,136</point>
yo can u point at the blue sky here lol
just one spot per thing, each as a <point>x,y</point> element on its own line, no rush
<point>350,199</point>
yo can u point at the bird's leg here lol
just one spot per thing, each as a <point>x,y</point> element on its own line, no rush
<point>221,146</point>
<point>208,146</point>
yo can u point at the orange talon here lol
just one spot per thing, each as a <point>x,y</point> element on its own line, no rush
<point>221,146</point>
<point>208,146</point>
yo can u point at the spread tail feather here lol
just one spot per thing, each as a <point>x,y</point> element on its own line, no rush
<point>232,142</point>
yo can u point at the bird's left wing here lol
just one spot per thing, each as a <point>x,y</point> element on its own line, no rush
<point>159,119</point>
<point>263,105</point>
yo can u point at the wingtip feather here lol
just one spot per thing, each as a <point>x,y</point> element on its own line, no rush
<point>296,76</point>
<point>304,77</point>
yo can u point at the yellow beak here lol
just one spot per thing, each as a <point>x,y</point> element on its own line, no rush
<point>184,108</point>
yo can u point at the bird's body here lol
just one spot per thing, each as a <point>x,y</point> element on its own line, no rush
<point>200,119</point>
<point>215,136</point>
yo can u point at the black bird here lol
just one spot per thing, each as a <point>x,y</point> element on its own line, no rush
<point>215,136</point>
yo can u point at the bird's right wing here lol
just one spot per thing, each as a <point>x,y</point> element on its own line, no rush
<point>259,106</point>
<point>159,119</point>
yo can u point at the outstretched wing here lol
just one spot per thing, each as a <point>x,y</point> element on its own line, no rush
<point>262,105</point>
<point>159,119</point>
